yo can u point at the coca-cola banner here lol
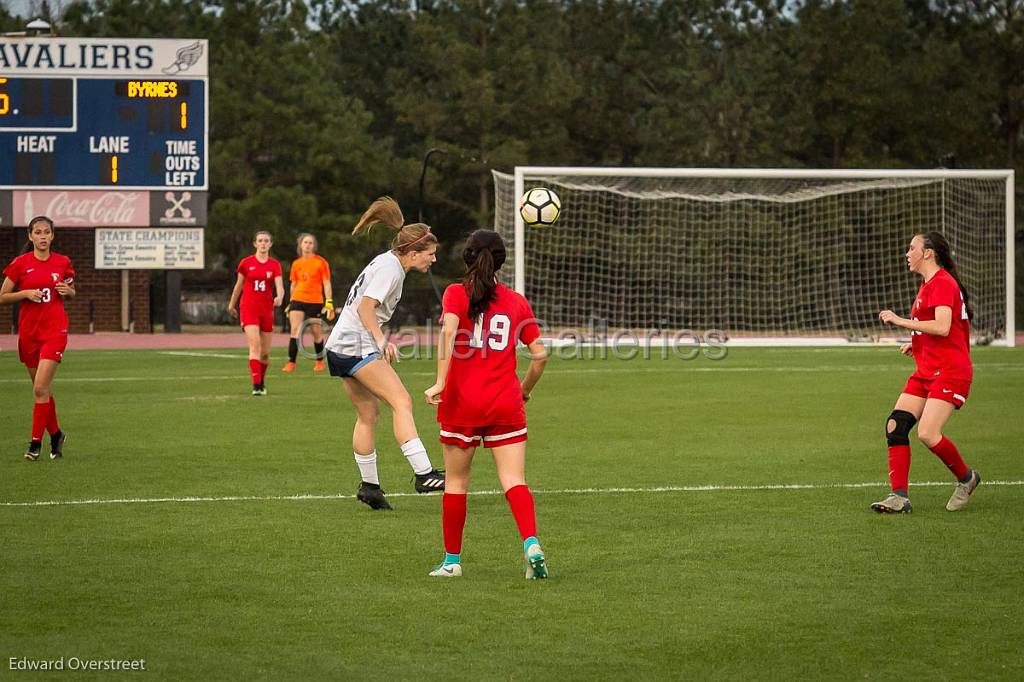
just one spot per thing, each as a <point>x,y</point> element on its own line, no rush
<point>83,209</point>
<point>6,215</point>
<point>186,209</point>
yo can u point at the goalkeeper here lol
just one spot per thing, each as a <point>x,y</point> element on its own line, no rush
<point>311,298</point>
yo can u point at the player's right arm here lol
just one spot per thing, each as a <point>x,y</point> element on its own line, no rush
<point>235,294</point>
<point>8,295</point>
<point>445,349</point>
<point>367,311</point>
<point>538,361</point>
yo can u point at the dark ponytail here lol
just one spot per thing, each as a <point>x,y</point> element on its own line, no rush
<point>944,257</point>
<point>484,255</point>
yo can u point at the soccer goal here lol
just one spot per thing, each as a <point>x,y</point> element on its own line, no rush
<point>769,257</point>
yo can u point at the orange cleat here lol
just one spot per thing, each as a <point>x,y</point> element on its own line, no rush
<point>319,366</point>
<point>290,367</point>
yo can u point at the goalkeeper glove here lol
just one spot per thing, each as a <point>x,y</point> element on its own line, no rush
<point>329,309</point>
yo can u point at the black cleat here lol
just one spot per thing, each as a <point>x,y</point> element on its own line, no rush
<point>430,482</point>
<point>57,441</point>
<point>371,495</point>
<point>34,448</point>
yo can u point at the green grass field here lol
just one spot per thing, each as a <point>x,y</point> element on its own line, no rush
<point>675,548</point>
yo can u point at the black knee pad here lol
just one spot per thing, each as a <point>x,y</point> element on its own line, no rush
<point>901,434</point>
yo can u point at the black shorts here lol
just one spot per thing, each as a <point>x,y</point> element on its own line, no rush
<point>310,310</point>
<point>347,365</point>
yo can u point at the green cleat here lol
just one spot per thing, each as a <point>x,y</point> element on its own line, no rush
<point>536,566</point>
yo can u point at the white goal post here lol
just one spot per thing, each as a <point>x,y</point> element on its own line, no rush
<point>767,256</point>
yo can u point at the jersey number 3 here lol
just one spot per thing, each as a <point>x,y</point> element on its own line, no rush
<point>498,331</point>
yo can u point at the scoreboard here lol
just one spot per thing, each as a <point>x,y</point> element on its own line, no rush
<point>103,114</point>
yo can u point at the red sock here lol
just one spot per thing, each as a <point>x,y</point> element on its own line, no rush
<point>899,466</point>
<point>950,456</point>
<point>263,371</point>
<point>254,370</point>
<point>51,424</point>
<point>453,519</point>
<point>520,499</point>
<point>40,415</point>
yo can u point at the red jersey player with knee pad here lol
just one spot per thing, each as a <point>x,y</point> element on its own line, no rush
<point>261,288</point>
<point>940,329</point>
<point>40,281</point>
<point>480,398</point>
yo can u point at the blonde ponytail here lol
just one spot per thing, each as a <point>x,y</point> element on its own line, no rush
<point>386,211</point>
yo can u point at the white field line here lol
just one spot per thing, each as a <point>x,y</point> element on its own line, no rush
<point>563,491</point>
<point>1002,367</point>
<point>202,354</point>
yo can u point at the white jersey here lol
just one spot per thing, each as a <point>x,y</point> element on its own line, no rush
<point>382,281</point>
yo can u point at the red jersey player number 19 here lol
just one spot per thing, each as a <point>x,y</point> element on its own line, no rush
<point>40,281</point>
<point>480,399</point>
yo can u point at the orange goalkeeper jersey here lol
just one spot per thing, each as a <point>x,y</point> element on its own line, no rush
<point>308,276</point>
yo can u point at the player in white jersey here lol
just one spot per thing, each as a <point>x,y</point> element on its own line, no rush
<point>359,352</point>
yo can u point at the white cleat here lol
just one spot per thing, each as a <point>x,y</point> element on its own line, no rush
<point>962,492</point>
<point>447,571</point>
<point>536,565</point>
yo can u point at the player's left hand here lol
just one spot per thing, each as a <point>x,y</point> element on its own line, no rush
<point>329,313</point>
<point>433,394</point>
<point>889,317</point>
<point>64,288</point>
<point>278,300</point>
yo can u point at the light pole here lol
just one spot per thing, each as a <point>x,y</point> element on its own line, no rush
<point>423,180</point>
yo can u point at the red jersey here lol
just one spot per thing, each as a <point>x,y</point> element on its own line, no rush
<point>258,290</point>
<point>482,388</point>
<point>947,356</point>
<point>46,318</point>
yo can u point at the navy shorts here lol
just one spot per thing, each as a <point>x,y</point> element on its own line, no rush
<point>346,365</point>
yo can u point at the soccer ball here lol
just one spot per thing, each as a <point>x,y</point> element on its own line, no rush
<point>540,207</point>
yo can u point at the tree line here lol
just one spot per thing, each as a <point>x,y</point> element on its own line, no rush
<point>318,107</point>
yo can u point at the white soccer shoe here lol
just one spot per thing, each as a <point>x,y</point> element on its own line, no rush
<point>447,571</point>
<point>962,492</point>
<point>536,566</point>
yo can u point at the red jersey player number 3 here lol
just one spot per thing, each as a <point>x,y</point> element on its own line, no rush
<point>40,281</point>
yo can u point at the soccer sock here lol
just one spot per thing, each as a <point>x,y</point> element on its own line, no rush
<point>40,415</point>
<point>319,348</point>
<point>51,423</point>
<point>899,468</point>
<point>263,371</point>
<point>293,349</point>
<point>417,456</point>
<point>520,499</point>
<point>254,371</point>
<point>453,521</point>
<point>950,456</point>
<point>367,467</point>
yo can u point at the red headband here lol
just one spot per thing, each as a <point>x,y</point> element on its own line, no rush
<point>406,247</point>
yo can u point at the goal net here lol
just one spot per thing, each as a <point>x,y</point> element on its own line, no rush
<point>765,256</point>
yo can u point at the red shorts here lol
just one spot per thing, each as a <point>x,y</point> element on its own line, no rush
<point>488,436</point>
<point>265,321</point>
<point>940,388</point>
<point>31,351</point>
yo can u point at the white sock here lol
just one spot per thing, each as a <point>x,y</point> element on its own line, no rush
<point>367,467</point>
<point>417,456</point>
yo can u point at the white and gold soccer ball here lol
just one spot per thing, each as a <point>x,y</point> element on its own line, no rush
<point>540,207</point>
